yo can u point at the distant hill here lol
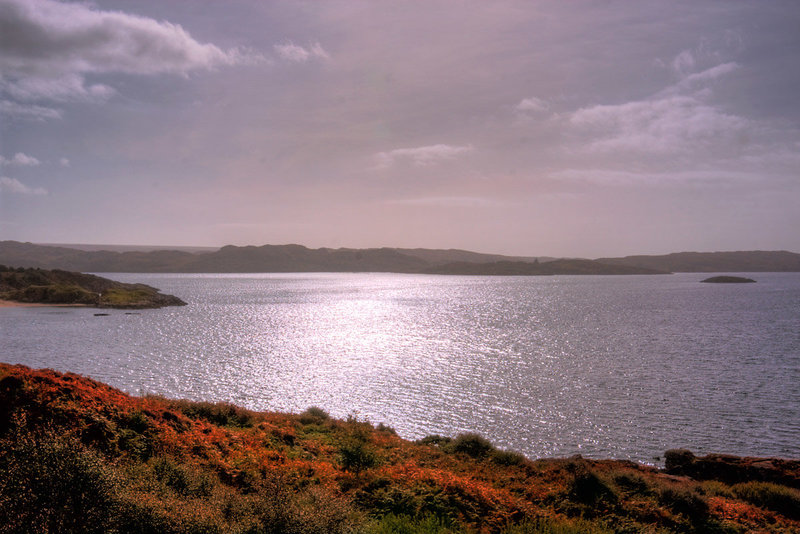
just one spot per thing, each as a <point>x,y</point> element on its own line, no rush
<point>266,258</point>
<point>715,262</point>
<point>519,268</point>
<point>297,258</point>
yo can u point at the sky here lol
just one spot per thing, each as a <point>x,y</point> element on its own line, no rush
<point>585,128</point>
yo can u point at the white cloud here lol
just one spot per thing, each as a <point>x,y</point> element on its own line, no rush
<point>679,118</point>
<point>660,125</point>
<point>64,162</point>
<point>298,54</point>
<point>533,104</point>
<point>423,155</point>
<point>48,47</point>
<point>20,160</point>
<point>12,185</point>
<point>28,111</point>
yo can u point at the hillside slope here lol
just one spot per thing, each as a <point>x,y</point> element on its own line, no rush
<point>78,455</point>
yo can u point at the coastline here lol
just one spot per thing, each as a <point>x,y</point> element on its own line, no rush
<point>16,304</point>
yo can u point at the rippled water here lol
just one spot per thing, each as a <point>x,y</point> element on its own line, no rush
<point>604,366</point>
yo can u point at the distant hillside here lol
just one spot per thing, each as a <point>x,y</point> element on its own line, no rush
<point>266,258</point>
<point>297,258</point>
<point>511,268</point>
<point>63,287</point>
<point>715,262</point>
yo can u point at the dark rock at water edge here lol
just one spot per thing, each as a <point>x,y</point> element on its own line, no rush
<point>728,280</point>
<point>732,469</point>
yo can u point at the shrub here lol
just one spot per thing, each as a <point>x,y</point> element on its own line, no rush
<point>314,415</point>
<point>406,524</point>
<point>632,483</point>
<point>355,456</point>
<point>507,457</point>
<point>472,445</point>
<point>587,488</point>
<point>435,440</point>
<point>53,483</point>
<point>773,497</point>
<point>686,502</point>
<point>218,413</point>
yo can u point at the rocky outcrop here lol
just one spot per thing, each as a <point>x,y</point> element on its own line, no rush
<point>732,469</point>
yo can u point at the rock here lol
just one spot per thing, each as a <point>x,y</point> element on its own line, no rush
<point>732,469</point>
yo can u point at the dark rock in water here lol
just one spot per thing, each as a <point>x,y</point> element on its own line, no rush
<point>100,314</point>
<point>732,469</point>
<point>728,280</point>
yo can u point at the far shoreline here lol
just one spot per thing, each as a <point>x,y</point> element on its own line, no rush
<point>17,304</point>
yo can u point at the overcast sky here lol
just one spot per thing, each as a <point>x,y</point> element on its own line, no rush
<point>540,128</point>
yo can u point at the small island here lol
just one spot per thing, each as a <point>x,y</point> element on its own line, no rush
<point>65,288</point>
<point>728,280</point>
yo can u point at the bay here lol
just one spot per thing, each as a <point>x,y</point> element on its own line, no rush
<point>603,366</point>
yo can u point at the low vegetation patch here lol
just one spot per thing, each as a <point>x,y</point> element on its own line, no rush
<point>79,456</point>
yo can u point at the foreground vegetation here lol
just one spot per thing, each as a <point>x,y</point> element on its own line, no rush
<point>79,456</point>
<point>41,286</point>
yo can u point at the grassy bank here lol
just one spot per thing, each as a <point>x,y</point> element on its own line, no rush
<point>80,456</point>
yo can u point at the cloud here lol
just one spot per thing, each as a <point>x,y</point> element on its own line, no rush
<point>12,185</point>
<point>533,104</point>
<point>683,62</point>
<point>678,118</point>
<point>423,155</point>
<point>661,125</point>
<point>64,162</point>
<point>28,111</point>
<point>47,48</point>
<point>298,54</point>
<point>20,160</point>
<point>624,178</point>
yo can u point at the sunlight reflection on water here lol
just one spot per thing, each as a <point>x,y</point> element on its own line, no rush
<point>603,366</point>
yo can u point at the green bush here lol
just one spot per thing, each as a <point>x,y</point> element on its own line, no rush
<point>406,524</point>
<point>472,445</point>
<point>507,458</point>
<point>773,497</point>
<point>435,440</point>
<point>218,413</point>
<point>632,484</point>
<point>314,415</point>
<point>587,488</point>
<point>356,455</point>
<point>686,502</point>
<point>52,483</point>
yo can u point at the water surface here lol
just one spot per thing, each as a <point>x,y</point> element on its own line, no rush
<point>604,366</point>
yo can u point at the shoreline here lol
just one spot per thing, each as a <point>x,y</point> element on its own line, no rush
<point>16,304</point>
